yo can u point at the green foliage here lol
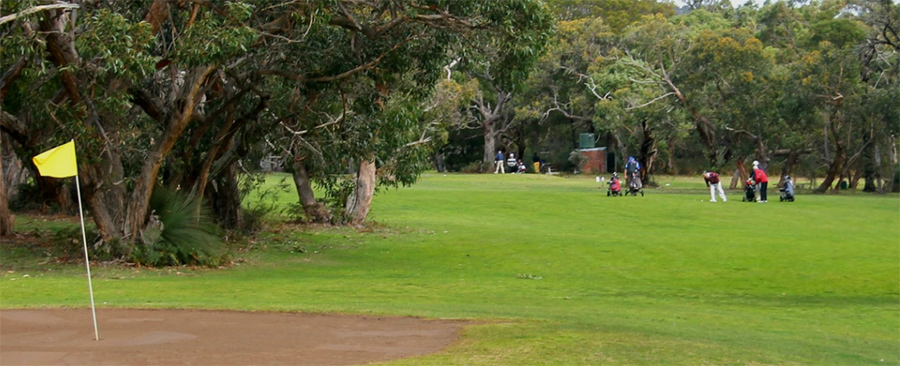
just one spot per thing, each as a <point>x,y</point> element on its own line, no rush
<point>180,232</point>
<point>840,32</point>
<point>215,39</point>
<point>117,47</point>
<point>701,19</point>
<point>617,13</point>
<point>261,200</point>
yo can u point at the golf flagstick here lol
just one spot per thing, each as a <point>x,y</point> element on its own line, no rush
<point>87,261</point>
<point>61,162</point>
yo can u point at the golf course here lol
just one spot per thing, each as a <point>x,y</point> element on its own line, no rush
<point>546,270</point>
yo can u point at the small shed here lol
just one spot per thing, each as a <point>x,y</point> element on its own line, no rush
<point>593,160</point>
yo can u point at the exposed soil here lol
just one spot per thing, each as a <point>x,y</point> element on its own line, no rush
<point>186,337</point>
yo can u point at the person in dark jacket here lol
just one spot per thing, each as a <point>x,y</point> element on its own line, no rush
<point>715,184</point>
<point>632,170</point>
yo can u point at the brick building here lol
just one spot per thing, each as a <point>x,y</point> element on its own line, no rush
<point>593,161</point>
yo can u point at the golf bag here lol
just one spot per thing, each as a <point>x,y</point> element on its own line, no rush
<point>634,184</point>
<point>787,192</point>
<point>749,191</point>
<point>615,188</point>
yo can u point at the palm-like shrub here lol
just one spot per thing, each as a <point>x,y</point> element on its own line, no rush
<point>181,231</point>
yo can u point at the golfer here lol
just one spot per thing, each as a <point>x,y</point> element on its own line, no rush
<point>715,184</point>
<point>762,182</point>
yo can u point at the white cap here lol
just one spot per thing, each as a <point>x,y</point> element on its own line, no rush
<point>755,163</point>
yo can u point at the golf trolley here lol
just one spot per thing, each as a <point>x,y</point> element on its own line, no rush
<point>787,192</point>
<point>615,188</point>
<point>634,184</point>
<point>749,191</point>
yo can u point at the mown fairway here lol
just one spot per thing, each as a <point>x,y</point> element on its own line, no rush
<point>558,273</point>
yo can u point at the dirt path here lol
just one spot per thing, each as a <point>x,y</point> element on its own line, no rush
<point>184,337</point>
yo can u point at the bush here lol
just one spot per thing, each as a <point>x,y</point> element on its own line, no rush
<point>65,244</point>
<point>478,167</point>
<point>28,199</point>
<point>266,201</point>
<point>179,233</point>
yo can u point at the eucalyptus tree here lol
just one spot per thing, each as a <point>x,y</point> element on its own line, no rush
<point>660,47</point>
<point>560,94</point>
<point>410,44</point>
<point>563,91</point>
<point>833,60</point>
<point>501,64</point>
<point>175,93</point>
<point>635,114</point>
<point>880,60</point>
<point>717,74</point>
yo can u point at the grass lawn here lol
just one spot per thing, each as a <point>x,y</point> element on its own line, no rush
<point>558,273</point>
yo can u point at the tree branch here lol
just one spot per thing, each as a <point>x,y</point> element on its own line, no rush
<point>651,102</point>
<point>36,9</point>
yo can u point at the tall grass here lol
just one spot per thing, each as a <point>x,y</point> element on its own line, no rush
<point>558,273</point>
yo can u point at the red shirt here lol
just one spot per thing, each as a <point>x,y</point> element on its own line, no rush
<point>760,176</point>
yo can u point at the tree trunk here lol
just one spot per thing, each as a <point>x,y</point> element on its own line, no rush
<point>870,166</point>
<point>788,167</point>
<point>740,175</point>
<point>648,152</point>
<point>220,152</point>
<point>177,121</point>
<point>670,166</point>
<point>437,160</point>
<point>14,173</point>
<point>891,184</point>
<point>855,177</point>
<point>314,210</point>
<point>762,154</point>
<point>6,219</point>
<point>54,191</point>
<point>360,200</point>
<point>103,186</point>
<point>623,151</point>
<point>226,199</point>
<point>836,165</point>
<point>490,142</point>
<point>879,177</point>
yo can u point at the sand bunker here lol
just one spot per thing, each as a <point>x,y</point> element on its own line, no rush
<point>186,337</point>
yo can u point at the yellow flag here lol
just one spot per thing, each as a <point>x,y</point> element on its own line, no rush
<point>58,162</point>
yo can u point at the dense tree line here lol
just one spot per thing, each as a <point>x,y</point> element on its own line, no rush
<point>177,95</point>
<point>183,98</point>
<point>804,87</point>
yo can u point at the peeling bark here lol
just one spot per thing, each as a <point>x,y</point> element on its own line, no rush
<point>360,200</point>
<point>490,116</point>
